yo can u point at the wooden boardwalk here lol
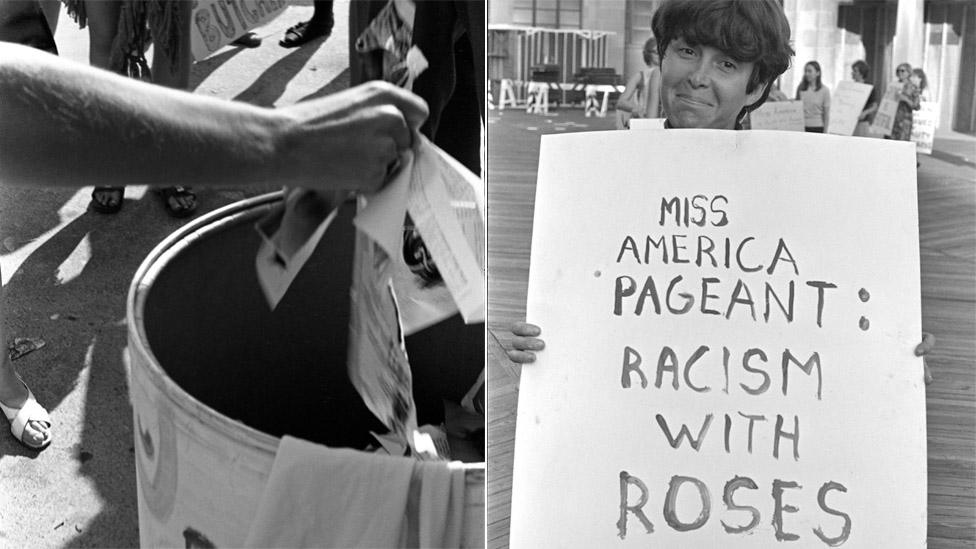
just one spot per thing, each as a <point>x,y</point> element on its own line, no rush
<point>947,218</point>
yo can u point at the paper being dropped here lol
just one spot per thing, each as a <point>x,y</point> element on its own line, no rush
<point>446,202</point>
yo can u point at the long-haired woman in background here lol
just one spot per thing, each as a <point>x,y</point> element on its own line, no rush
<point>815,97</point>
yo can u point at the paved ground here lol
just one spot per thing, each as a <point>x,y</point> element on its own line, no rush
<point>66,272</point>
<point>947,234</point>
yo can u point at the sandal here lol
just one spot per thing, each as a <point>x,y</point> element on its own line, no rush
<point>111,206</point>
<point>176,210</point>
<point>30,411</point>
<point>304,32</point>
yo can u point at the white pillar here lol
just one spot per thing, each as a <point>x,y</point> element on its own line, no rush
<point>909,39</point>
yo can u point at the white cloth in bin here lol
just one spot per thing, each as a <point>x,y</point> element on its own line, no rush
<point>441,503</point>
<point>324,497</point>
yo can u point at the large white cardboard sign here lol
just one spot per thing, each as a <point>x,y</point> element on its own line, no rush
<point>730,319</point>
<point>846,105</point>
<point>778,115</point>
<point>217,23</point>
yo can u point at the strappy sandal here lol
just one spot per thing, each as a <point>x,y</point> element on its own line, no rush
<point>303,33</point>
<point>178,192</point>
<point>104,207</point>
<point>20,417</point>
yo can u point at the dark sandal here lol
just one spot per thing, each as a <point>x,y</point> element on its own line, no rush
<point>178,192</point>
<point>303,33</point>
<point>103,207</point>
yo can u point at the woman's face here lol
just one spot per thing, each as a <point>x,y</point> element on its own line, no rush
<point>915,79</point>
<point>856,75</point>
<point>810,74</point>
<point>704,87</point>
<point>902,74</point>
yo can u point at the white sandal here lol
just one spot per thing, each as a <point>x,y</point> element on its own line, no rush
<point>30,411</point>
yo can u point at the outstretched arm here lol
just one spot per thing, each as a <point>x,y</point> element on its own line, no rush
<point>108,130</point>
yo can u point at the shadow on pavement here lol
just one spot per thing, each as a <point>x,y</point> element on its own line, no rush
<point>271,84</point>
<point>337,84</point>
<point>205,68</point>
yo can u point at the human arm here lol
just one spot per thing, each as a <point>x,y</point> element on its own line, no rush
<point>110,130</point>
<point>653,94</point>
<point>910,96</point>
<point>868,112</point>
<point>826,107</point>
<point>626,101</point>
<point>525,342</point>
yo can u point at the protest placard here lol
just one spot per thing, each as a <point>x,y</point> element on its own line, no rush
<point>778,115</point>
<point>884,119</point>
<point>647,123</point>
<point>846,105</point>
<point>216,23</point>
<point>924,121</point>
<point>729,344</point>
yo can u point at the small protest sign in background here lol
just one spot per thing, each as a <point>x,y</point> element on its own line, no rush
<point>846,105</point>
<point>778,115</point>
<point>647,123</point>
<point>924,121</point>
<point>884,119</point>
<point>729,344</point>
<point>217,23</point>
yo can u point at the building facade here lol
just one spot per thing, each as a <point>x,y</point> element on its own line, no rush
<point>937,35</point>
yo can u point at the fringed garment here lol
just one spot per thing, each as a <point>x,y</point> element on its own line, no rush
<point>141,22</point>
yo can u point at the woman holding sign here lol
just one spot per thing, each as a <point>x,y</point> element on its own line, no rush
<point>908,101</point>
<point>815,97</point>
<point>860,71</point>
<point>718,62</point>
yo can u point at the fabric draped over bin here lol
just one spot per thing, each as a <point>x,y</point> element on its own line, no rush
<point>372,500</point>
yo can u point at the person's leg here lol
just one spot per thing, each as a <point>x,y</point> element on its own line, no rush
<point>13,394</point>
<point>103,24</point>
<point>323,14</point>
<point>172,62</point>
<point>318,26</point>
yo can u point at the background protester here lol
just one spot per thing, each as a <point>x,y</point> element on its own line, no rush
<point>861,72</point>
<point>908,101</point>
<point>816,98</point>
<point>642,96</point>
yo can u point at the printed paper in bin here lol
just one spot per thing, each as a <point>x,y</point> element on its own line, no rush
<point>446,202</point>
<point>377,361</point>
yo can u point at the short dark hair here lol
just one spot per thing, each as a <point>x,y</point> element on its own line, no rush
<point>753,31</point>
<point>863,68</point>
<point>650,46</point>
